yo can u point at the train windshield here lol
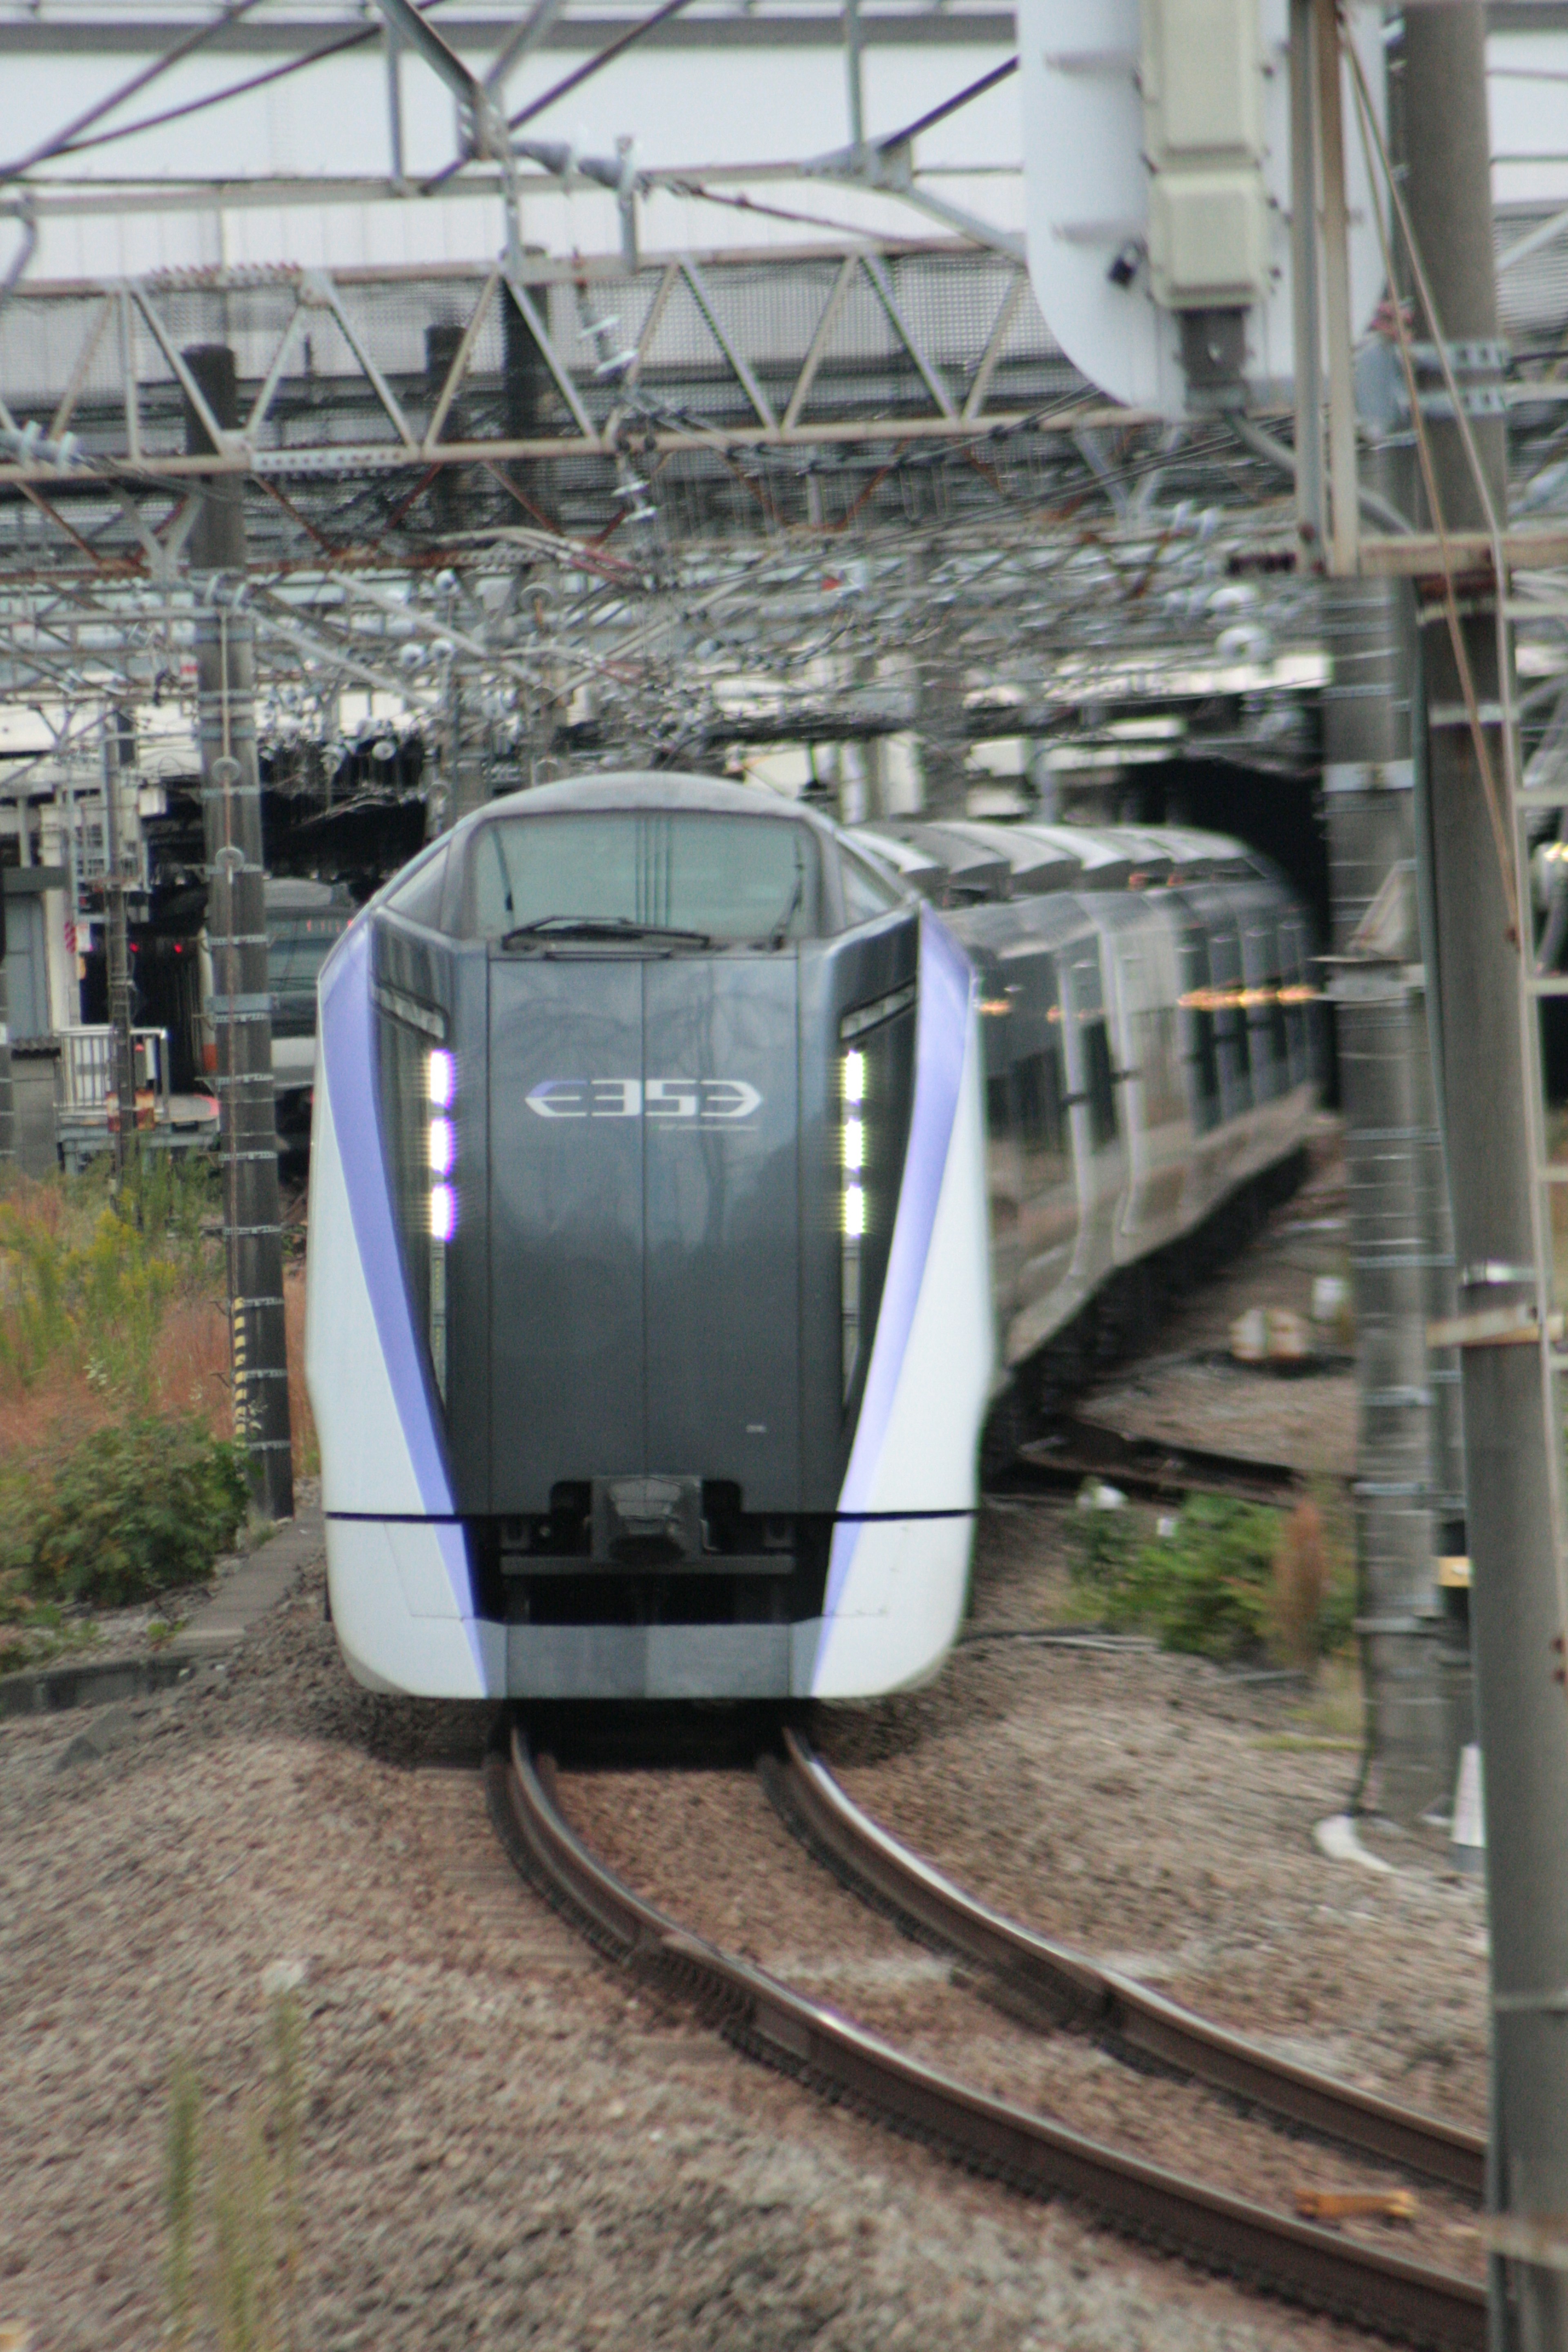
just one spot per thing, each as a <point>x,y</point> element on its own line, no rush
<point>297,951</point>
<point>686,875</point>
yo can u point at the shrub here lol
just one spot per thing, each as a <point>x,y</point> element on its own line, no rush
<point>135,1510</point>
<point>1207,1588</point>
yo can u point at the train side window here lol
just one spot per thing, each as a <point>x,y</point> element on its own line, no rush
<point>1295,1013</point>
<point>1279,1033</point>
<point>1202,1044</point>
<point>1039,1086</point>
<point>1231,1019</point>
<point>1038,1092</point>
<point>419,896</point>
<point>867,892</point>
<point>1100,1083</point>
<point>1158,1064</point>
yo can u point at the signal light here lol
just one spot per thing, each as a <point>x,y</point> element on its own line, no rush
<point>443,1212</point>
<point>854,1212</point>
<point>443,1146</point>
<point>441,1079</point>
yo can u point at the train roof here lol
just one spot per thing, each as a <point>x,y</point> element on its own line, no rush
<point>647,788</point>
<point>964,860</point>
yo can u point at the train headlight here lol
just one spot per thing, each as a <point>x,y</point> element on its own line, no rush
<point>441,1157</point>
<point>852,1153</point>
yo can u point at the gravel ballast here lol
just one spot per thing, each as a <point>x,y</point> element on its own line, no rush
<point>505,2139</point>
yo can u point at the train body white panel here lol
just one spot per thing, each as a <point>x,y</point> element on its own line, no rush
<point>903,1603</point>
<point>395,1630</point>
<point>910,1573</point>
<point>366,1466</point>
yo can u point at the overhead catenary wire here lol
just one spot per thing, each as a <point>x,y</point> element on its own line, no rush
<point>64,144</point>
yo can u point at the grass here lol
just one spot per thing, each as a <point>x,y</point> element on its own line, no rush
<point>116,1398</point>
<point>1333,1715</point>
<point>231,2201</point>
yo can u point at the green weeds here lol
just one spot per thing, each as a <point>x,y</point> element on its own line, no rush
<point>117,1479</point>
<point>231,2203</point>
<point>87,1282</point>
<point>1227,1581</point>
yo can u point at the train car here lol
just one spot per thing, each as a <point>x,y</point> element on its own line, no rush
<point>650,1331</point>
<point>1148,1058</point>
<point>686,1190</point>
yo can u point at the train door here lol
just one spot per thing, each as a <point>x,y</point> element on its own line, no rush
<point>1099,1150</point>
<point>565,1224</point>
<point>1200,1055</point>
<point>1049,1204</point>
<point>1269,1041</point>
<point>1159,1134</point>
<point>1231,1030</point>
<point>721,1224</point>
<point>999,1009</point>
<point>1295,996</point>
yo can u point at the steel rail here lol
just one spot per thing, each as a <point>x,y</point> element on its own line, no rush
<point>1047,1982</point>
<point>1268,2251</point>
<point>1156,1468</point>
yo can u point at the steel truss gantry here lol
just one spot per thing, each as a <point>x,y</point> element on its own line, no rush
<point>703,492</point>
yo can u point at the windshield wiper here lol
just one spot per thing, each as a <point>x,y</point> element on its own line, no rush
<point>546,928</point>
<point>781,928</point>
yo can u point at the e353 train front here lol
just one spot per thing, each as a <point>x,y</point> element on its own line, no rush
<point>649,1324</point>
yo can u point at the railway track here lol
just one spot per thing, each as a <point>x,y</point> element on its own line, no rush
<point>1229,2235</point>
<point>1077,1448</point>
<point>1047,1984</point>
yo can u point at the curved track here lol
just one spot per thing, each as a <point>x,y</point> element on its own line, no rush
<point>1225,2234</point>
<point>1045,1982</point>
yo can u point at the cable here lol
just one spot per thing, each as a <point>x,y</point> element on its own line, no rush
<point>579,74</point>
<point>69,145</point>
<point>60,141</point>
<point>1263,445</point>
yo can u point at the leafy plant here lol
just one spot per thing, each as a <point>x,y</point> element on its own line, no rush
<point>135,1510</point>
<point>1207,1588</point>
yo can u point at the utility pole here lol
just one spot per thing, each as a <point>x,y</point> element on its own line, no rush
<point>117,943</point>
<point>7,1119</point>
<point>1375,983</point>
<point>237,928</point>
<point>1512,1410</point>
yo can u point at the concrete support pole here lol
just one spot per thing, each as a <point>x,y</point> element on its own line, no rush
<point>1511,1419</point>
<point>236,927</point>
<point>7,1111</point>
<point>1367,778</point>
<point>117,942</point>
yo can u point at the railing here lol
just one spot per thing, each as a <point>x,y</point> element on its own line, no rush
<point>87,1077</point>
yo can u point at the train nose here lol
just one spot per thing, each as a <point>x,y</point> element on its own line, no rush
<point>643,1235</point>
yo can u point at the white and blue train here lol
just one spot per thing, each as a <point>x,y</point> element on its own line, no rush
<point>685,1188</point>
